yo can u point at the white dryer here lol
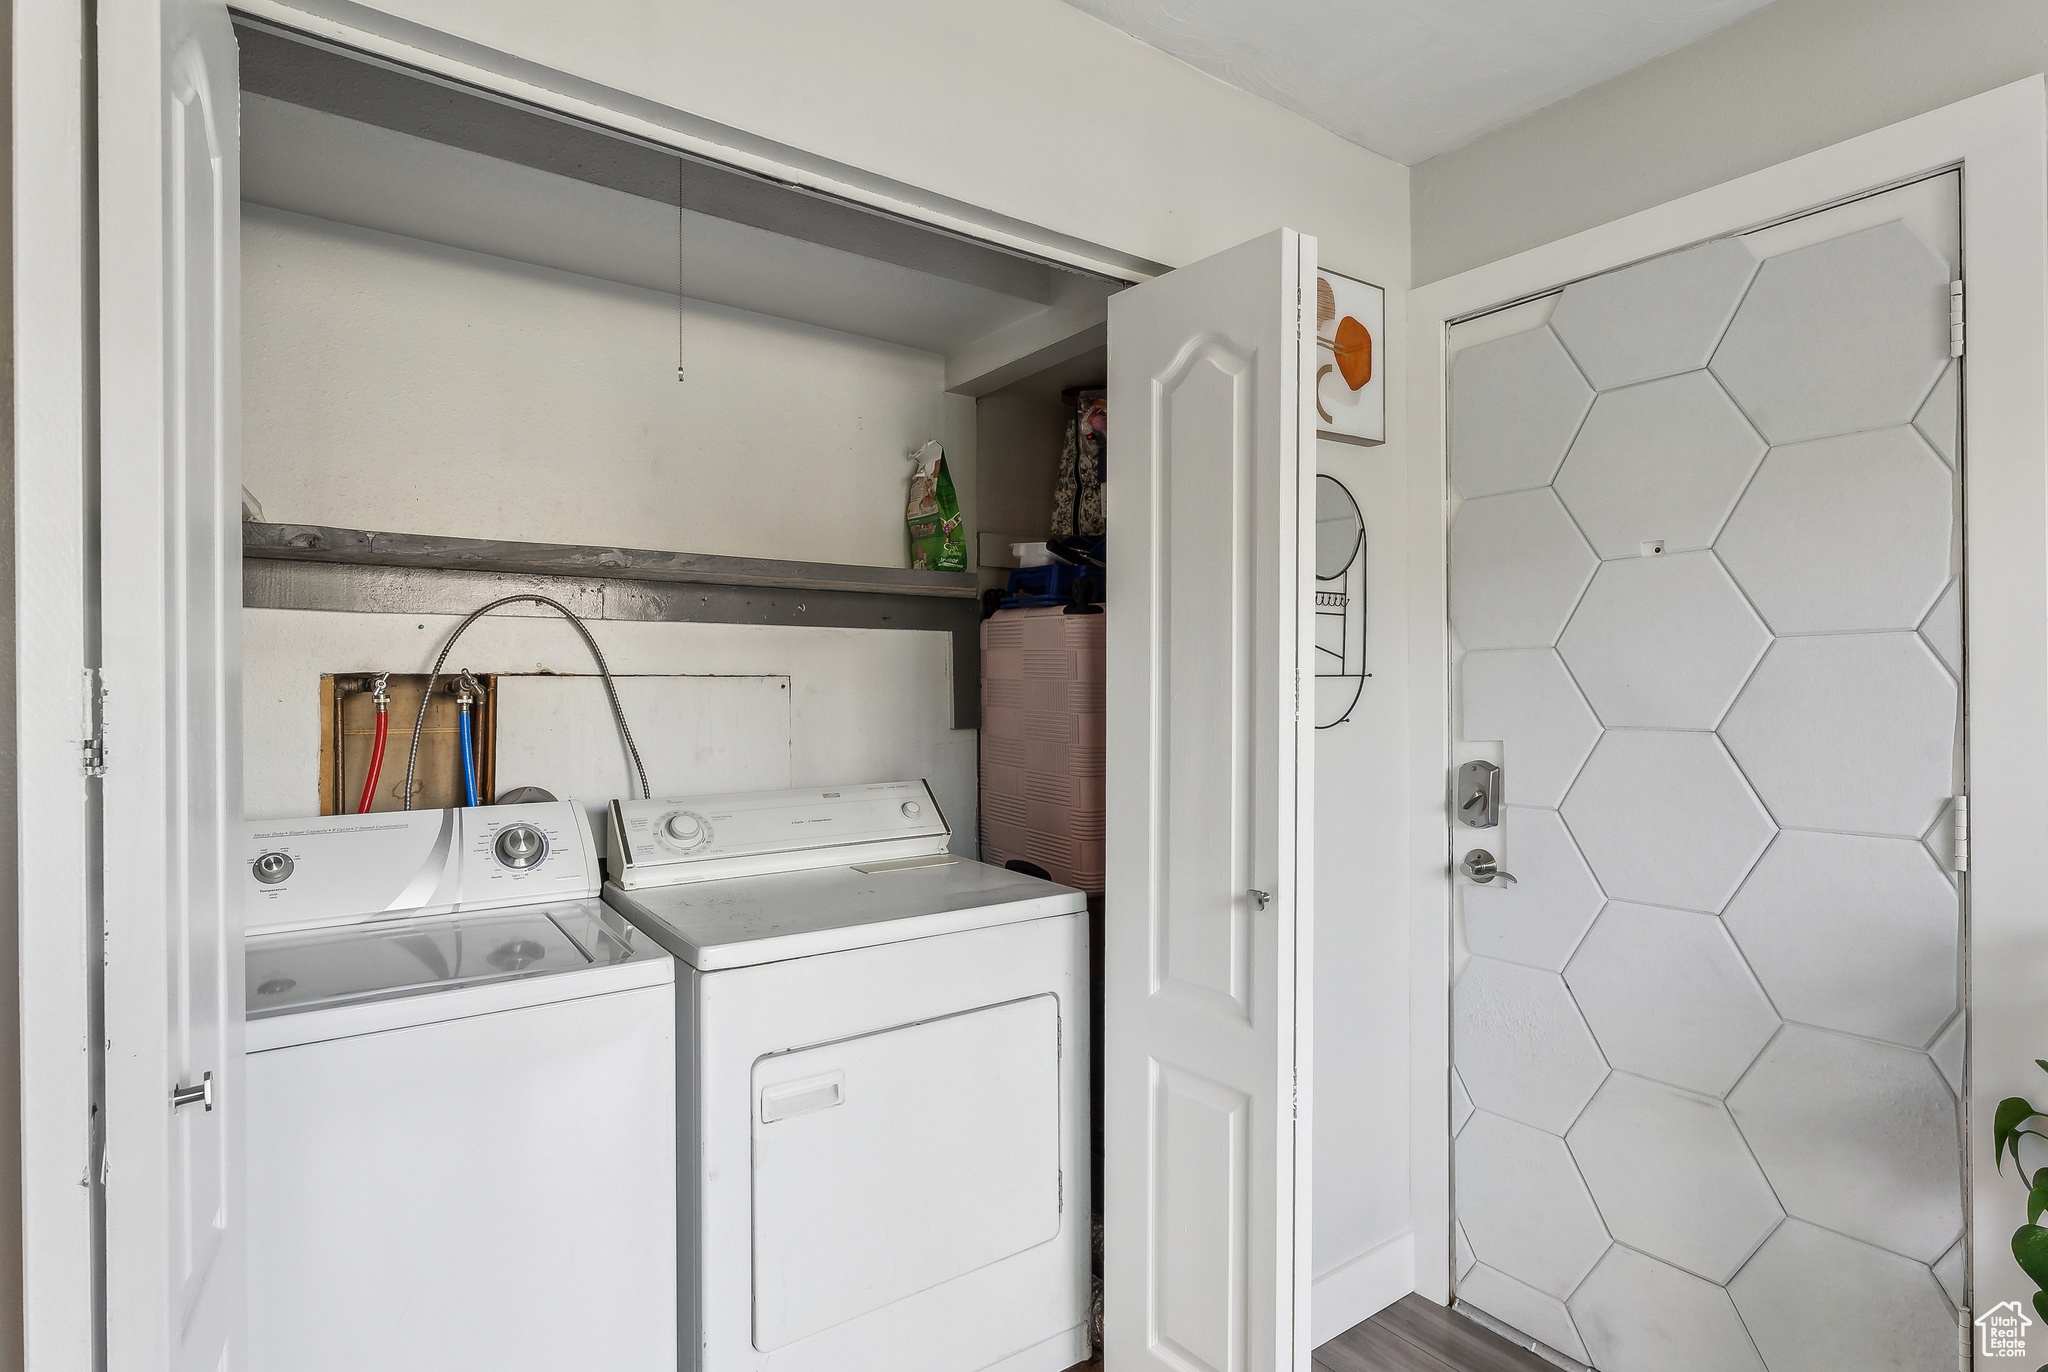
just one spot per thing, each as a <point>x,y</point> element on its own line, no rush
<point>882,1078</point>
<point>460,1100</point>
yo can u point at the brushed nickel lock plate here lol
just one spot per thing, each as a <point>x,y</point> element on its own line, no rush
<point>1477,798</point>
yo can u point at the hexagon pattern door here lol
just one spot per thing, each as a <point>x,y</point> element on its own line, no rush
<point>1706,614</point>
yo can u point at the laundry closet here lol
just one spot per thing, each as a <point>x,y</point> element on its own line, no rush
<point>501,480</point>
<point>498,358</point>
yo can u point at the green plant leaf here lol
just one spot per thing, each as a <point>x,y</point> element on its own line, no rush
<point>2030,1250</point>
<point>2037,1198</point>
<point>2013,1112</point>
<point>2041,1304</point>
<point>2041,1063</point>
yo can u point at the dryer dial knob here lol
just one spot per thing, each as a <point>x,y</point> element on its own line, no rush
<point>683,832</point>
<point>271,868</point>
<point>520,846</point>
<point>911,809</point>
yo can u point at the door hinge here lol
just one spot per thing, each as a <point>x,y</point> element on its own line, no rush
<point>1955,318</point>
<point>1959,824</point>
<point>93,726</point>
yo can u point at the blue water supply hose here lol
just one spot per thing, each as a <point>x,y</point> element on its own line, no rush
<point>468,761</point>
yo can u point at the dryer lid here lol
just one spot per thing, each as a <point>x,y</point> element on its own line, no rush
<point>745,921</point>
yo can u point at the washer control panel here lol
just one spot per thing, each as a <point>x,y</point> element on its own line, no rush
<point>342,869</point>
<point>663,842</point>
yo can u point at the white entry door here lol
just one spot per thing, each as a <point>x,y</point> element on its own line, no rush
<point>1706,599</point>
<point>1210,644</point>
<point>170,616</point>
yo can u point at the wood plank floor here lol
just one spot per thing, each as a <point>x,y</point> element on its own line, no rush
<point>1416,1335</point>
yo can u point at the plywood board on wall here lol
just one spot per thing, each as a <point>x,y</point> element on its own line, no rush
<point>695,734</point>
<point>348,730</point>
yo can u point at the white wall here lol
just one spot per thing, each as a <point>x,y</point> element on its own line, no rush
<point>1796,76</point>
<point>1362,1259</point>
<point>395,384</point>
<point>11,1348</point>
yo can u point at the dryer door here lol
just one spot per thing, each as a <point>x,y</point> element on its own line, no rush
<point>887,1164</point>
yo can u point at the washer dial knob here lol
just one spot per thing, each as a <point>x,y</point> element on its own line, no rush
<point>271,868</point>
<point>685,827</point>
<point>520,846</point>
<point>911,809</point>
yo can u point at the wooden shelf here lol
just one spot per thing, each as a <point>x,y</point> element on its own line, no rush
<point>312,567</point>
<point>367,548</point>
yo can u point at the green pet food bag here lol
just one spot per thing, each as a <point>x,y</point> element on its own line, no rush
<point>937,543</point>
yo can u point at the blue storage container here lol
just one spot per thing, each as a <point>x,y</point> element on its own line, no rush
<point>1051,584</point>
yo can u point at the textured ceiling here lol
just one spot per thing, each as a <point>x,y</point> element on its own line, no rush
<point>1413,78</point>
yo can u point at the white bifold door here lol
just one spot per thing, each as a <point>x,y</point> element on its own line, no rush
<point>170,615</point>
<point>1706,599</point>
<point>1210,646</point>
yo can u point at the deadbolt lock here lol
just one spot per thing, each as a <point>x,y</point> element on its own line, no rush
<point>1478,795</point>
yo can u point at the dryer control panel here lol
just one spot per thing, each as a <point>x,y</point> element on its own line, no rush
<point>697,838</point>
<point>345,869</point>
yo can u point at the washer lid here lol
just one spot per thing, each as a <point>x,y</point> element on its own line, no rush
<point>744,921</point>
<point>289,973</point>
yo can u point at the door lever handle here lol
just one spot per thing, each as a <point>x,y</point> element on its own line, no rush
<point>202,1094</point>
<point>1480,866</point>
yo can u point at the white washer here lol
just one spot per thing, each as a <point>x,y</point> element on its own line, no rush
<point>882,1072</point>
<point>461,1109</point>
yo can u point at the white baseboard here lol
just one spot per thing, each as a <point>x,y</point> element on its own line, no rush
<point>1361,1288</point>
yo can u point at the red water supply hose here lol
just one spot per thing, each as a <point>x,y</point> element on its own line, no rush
<point>376,749</point>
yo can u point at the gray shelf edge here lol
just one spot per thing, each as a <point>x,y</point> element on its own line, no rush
<point>321,581</point>
<point>369,548</point>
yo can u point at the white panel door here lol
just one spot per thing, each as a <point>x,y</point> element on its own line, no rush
<point>171,645</point>
<point>1210,784</point>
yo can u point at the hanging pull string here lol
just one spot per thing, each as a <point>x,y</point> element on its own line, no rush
<point>618,712</point>
<point>679,269</point>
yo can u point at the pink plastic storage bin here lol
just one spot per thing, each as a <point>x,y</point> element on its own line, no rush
<point>1042,743</point>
